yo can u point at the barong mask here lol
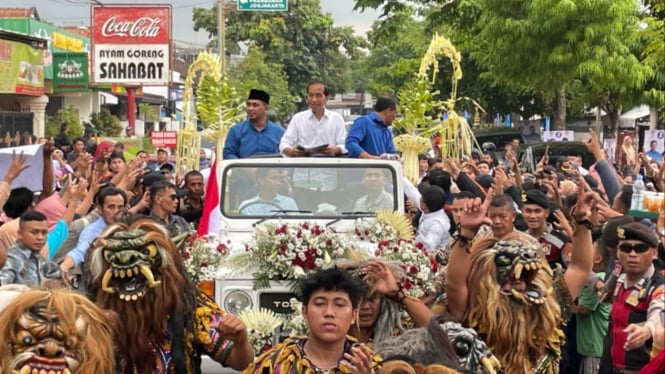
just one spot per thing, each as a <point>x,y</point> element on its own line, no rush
<point>55,332</point>
<point>517,267</point>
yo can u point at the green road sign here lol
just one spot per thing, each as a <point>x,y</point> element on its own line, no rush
<point>264,5</point>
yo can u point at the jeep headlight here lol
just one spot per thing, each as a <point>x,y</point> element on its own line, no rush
<point>237,301</point>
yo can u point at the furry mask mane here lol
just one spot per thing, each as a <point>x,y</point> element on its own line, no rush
<point>55,330</point>
<point>510,285</point>
<point>138,273</point>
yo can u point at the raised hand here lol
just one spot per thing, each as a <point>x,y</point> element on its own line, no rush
<point>562,223</point>
<point>500,179</point>
<point>585,199</point>
<point>475,214</point>
<point>381,278</point>
<point>593,146</point>
<point>16,167</point>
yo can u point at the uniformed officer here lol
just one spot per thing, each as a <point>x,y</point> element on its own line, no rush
<point>535,211</point>
<point>638,299</point>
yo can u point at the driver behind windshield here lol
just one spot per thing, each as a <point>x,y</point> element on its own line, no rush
<point>268,201</point>
<point>377,198</point>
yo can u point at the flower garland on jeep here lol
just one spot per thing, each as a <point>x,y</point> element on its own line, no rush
<point>202,255</point>
<point>261,325</point>
<point>394,238</point>
<point>288,251</point>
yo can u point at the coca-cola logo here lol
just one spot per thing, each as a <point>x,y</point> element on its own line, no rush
<point>144,27</point>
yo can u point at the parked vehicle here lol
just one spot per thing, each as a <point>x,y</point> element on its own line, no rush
<point>530,154</point>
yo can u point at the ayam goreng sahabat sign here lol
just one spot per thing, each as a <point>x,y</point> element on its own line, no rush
<point>131,44</point>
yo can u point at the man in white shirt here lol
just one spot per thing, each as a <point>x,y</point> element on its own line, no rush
<point>316,131</point>
<point>434,223</point>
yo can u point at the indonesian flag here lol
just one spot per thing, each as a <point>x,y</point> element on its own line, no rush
<point>210,220</point>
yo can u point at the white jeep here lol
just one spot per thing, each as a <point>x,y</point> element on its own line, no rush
<point>325,191</point>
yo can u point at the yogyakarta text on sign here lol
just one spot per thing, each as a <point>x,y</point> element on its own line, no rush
<point>131,44</point>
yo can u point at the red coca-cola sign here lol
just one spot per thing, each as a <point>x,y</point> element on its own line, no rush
<point>131,24</point>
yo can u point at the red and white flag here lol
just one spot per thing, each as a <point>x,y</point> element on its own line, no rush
<point>210,220</point>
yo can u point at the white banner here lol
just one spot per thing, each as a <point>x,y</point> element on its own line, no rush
<point>33,175</point>
<point>558,136</point>
<point>610,146</point>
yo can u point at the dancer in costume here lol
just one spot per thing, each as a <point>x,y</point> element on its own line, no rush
<point>330,305</point>
<point>166,322</point>
<point>506,290</point>
<point>53,331</point>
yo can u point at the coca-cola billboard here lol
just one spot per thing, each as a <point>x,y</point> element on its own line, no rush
<point>131,44</point>
<point>131,24</point>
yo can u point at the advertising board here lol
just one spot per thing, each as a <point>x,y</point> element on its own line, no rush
<point>164,139</point>
<point>131,44</point>
<point>21,69</point>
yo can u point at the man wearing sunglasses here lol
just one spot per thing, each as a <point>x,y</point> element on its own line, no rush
<point>638,301</point>
<point>163,205</point>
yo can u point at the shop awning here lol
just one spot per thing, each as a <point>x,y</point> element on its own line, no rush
<point>107,99</point>
<point>628,118</point>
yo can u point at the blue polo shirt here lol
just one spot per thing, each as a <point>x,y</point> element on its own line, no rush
<point>369,134</point>
<point>244,140</point>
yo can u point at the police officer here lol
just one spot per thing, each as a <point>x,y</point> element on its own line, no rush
<point>638,300</point>
<point>535,211</point>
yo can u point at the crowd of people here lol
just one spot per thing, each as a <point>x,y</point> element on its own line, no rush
<point>541,271</point>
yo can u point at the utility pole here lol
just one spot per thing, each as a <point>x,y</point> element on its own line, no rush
<point>220,33</point>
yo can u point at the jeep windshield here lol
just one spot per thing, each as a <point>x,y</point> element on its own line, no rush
<point>321,188</point>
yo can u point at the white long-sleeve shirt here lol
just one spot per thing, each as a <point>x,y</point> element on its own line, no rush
<point>433,230</point>
<point>307,131</point>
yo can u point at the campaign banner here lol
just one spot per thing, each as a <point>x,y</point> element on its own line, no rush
<point>71,72</point>
<point>164,139</point>
<point>131,44</point>
<point>21,69</point>
<point>654,144</point>
<point>558,136</point>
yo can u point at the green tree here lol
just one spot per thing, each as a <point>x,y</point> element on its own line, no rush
<point>106,123</point>
<point>397,43</point>
<point>253,71</point>
<point>546,45</point>
<point>302,40</point>
<point>399,39</point>
<point>68,115</point>
<point>653,37</point>
<point>147,112</point>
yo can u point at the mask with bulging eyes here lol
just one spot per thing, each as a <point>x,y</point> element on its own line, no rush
<point>470,349</point>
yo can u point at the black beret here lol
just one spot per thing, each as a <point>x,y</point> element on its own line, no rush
<point>485,180</point>
<point>637,231</point>
<point>434,197</point>
<point>152,177</point>
<point>610,229</point>
<point>536,197</point>
<point>259,95</point>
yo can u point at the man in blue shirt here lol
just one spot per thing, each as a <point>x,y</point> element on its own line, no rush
<point>268,200</point>
<point>256,135</point>
<point>370,136</point>
<point>110,201</point>
<point>653,153</point>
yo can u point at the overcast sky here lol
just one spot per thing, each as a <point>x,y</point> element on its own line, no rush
<point>67,12</point>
